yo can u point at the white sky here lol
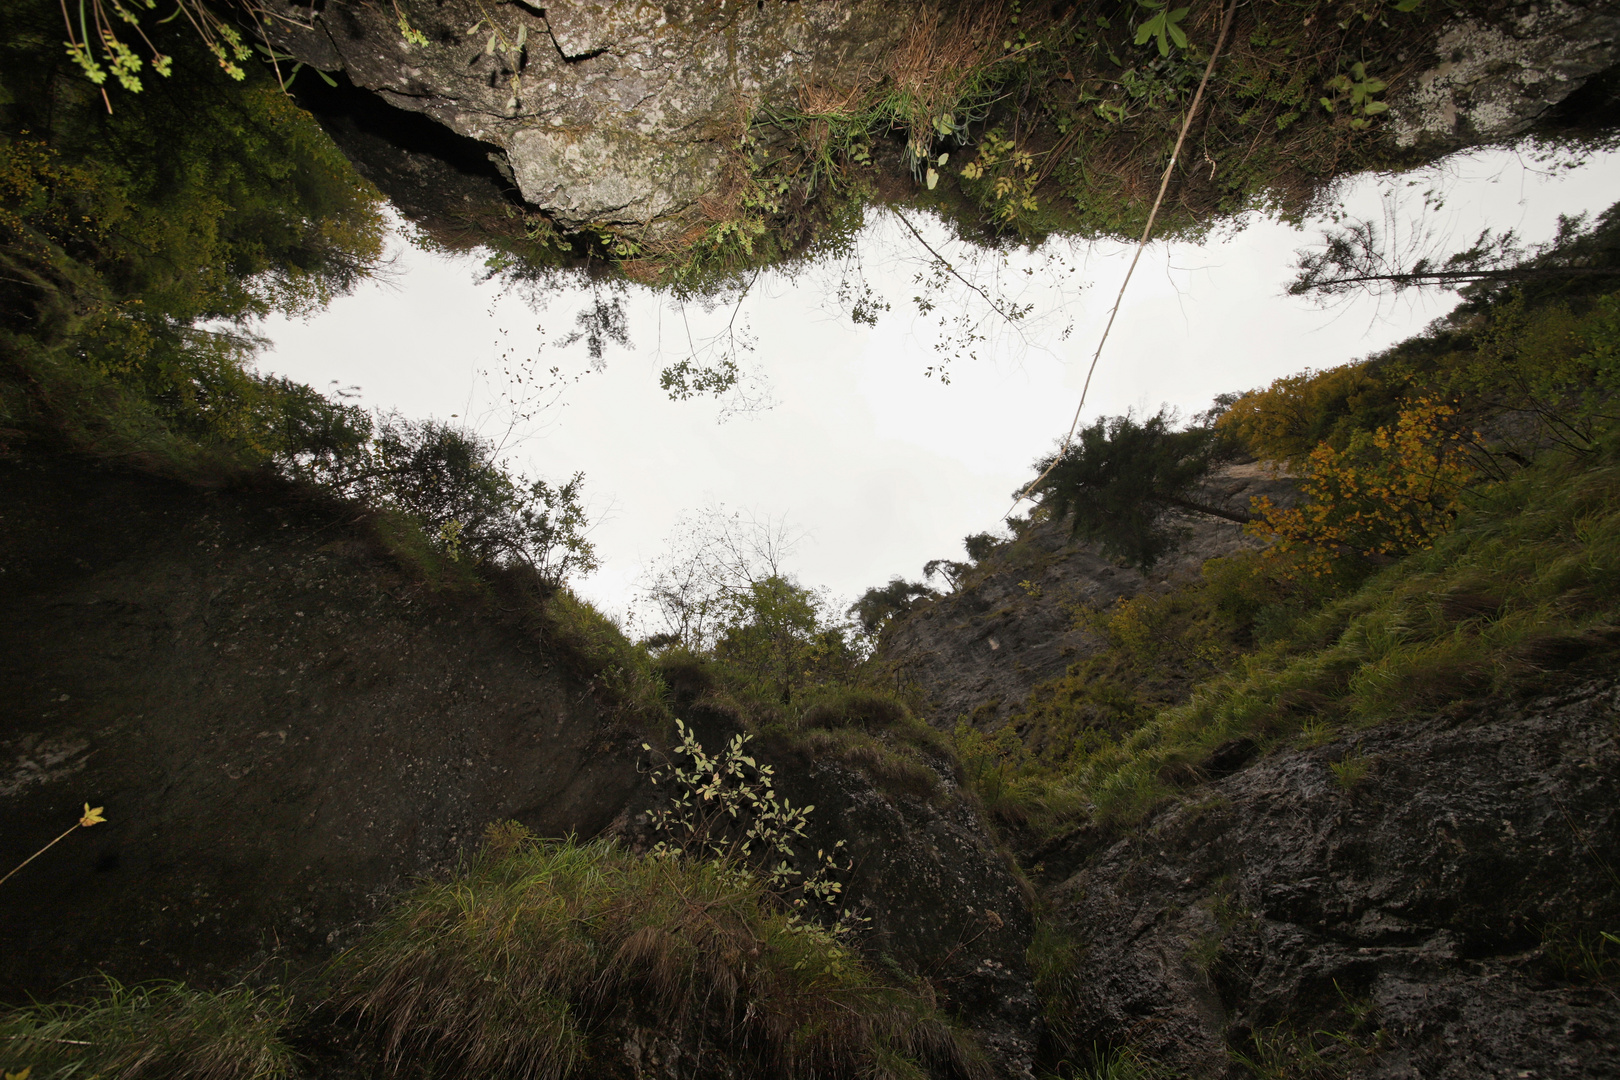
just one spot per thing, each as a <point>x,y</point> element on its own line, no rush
<point>882,466</point>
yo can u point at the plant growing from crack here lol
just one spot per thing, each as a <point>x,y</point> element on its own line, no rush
<point>1356,90</point>
<point>725,807</point>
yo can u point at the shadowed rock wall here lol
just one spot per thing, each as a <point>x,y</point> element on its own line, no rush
<point>1444,891</point>
<point>282,728</point>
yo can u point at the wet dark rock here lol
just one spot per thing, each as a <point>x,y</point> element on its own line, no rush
<point>1440,892</point>
<point>944,903</point>
<point>283,727</point>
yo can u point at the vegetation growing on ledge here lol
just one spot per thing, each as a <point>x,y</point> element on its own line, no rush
<point>163,1029</point>
<point>1455,542</point>
<point>539,959</point>
<point>536,960</point>
<point>1014,120</point>
<point>1017,121</point>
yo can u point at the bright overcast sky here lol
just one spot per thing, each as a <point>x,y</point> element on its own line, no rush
<point>882,466</point>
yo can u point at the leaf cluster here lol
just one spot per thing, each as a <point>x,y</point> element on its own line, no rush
<point>725,807</point>
<point>1388,492</point>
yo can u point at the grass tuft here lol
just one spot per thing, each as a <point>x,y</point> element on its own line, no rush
<point>166,1031</point>
<point>540,958</point>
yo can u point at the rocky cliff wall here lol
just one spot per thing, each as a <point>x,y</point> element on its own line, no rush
<point>647,122</point>
<point>1428,902</point>
<point>283,727</point>
<point>978,652</point>
<point>286,727</point>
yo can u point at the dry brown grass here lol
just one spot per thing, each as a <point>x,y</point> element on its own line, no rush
<point>940,53</point>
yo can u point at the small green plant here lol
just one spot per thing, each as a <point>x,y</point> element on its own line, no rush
<point>1280,1052</point>
<point>724,807</point>
<point>1583,956</point>
<point>1163,27</point>
<point>91,816</point>
<point>1010,174</point>
<point>1316,732</point>
<point>96,40</point>
<point>1351,770</point>
<point>450,539</point>
<point>1206,950</point>
<point>1356,92</point>
<point>1121,1063</point>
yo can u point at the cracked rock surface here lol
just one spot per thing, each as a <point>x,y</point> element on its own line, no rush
<point>616,114</point>
<point>1440,893</point>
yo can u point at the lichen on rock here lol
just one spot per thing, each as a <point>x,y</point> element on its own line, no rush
<point>1494,80</point>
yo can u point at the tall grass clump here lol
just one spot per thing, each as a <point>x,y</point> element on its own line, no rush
<point>165,1031</point>
<point>539,959</point>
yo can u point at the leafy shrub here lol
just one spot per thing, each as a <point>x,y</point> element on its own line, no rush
<point>449,481</point>
<point>1297,413</point>
<point>1390,491</point>
<point>779,633</point>
<point>724,807</point>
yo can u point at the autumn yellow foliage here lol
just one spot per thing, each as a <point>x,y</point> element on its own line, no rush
<point>1285,421</point>
<point>1388,492</point>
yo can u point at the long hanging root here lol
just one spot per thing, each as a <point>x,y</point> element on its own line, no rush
<point>1141,246</point>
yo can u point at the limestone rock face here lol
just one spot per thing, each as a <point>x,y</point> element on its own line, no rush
<point>619,114</point>
<point>979,651</point>
<point>1442,894</point>
<point>1494,80</point>
<point>634,117</point>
